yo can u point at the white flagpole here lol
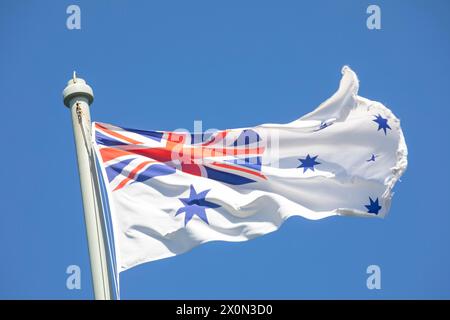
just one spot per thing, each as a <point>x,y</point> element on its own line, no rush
<point>77,97</point>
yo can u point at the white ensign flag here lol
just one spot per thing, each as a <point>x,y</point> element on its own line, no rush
<point>171,191</point>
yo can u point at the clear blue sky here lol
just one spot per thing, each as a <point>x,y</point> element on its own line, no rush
<point>162,65</point>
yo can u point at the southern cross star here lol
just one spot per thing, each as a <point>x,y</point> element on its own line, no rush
<point>382,123</point>
<point>308,163</point>
<point>374,207</point>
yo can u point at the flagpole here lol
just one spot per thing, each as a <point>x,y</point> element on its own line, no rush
<point>77,97</point>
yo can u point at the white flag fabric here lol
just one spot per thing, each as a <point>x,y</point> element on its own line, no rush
<point>171,191</point>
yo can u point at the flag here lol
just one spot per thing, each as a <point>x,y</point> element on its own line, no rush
<point>170,191</point>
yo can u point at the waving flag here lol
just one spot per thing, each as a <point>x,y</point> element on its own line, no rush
<point>171,191</point>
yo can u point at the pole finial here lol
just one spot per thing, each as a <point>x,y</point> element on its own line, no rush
<point>77,87</point>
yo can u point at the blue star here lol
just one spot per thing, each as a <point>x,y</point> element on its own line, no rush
<point>196,204</point>
<point>382,123</point>
<point>373,207</point>
<point>308,163</point>
<point>323,125</point>
<point>374,156</point>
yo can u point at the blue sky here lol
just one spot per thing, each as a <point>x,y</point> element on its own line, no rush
<point>162,65</point>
